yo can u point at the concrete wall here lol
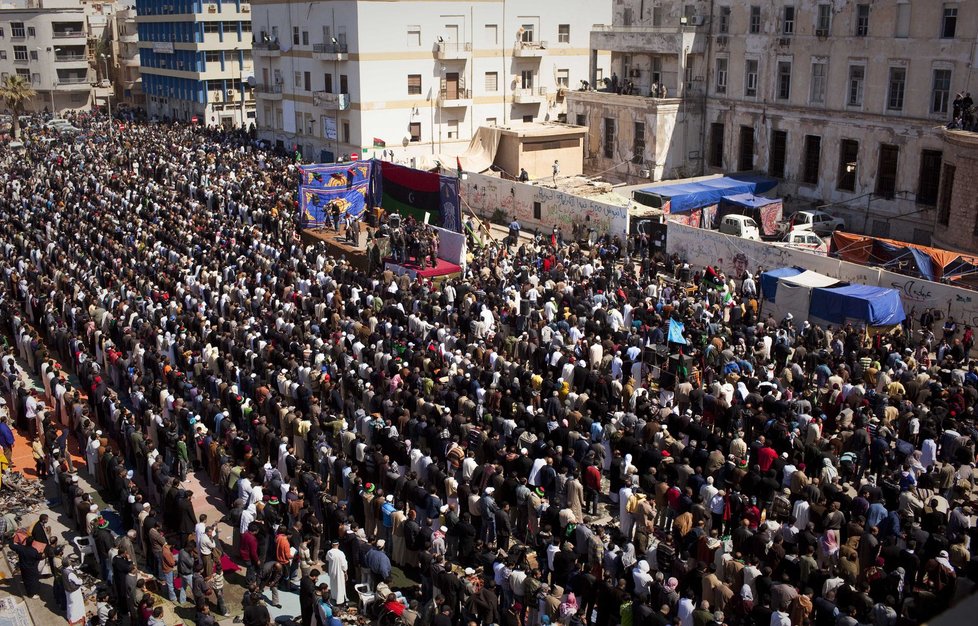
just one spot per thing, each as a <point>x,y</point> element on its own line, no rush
<point>733,255</point>
<point>956,224</point>
<point>485,195</point>
<point>513,154</point>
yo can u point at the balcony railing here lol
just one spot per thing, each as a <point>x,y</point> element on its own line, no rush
<point>330,48</point>
<point>460,93</point>
<point>265,45</point>
<point>70,57</point>
<point>67,34</point>
<point>72,80</point>
<point>660,30</point>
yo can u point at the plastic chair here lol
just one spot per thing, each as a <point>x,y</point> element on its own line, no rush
<point>365,596</point>
<point>84,545</point>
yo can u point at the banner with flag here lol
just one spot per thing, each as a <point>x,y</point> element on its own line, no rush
<point>676,332</point>
<point>413,192</point>
<point>315,204</point>
<point>336,175</point>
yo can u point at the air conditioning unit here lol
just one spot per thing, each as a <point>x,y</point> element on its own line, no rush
<point>698,20</point>
<point>722,41</point>
<point>246,8</point>
<point>645,173</point>
<point>211,8</point>
<point>821,32</point>
<point>218,97</point>
<point>784,42</point>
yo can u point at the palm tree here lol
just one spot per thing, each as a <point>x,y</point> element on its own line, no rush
<point>16,91</point>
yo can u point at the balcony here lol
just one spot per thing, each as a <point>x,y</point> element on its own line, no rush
<point>267,49</point>
<point>331,101</point>
<point>70,58</point>
<point>74,82</point>
<point>453,51</point>
<point>530,95</point>
<point>669,40</point>
<point>268,92</point>
<point>330,52</point>
<point>129,38</point>
<point>69,34</point>
<point>460,97</point>
<point>132,61</point>
<point>530,49</point>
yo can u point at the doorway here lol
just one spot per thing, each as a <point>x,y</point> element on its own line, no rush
<point>451,85</point>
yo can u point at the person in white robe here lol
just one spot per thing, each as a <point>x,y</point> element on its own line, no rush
<point>73,595</point>
<point>336,567</point>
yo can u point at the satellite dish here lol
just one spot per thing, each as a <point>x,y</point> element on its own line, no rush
<point>251,81</point>
<point>406,139</point>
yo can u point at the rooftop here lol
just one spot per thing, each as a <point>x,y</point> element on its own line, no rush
<point>540,129</point>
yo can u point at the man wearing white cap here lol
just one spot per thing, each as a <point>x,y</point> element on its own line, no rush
<point>336,568</point>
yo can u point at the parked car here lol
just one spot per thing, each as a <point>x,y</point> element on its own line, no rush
<point>818,221</point>
<point>804,240</point>
<point>740,226</point>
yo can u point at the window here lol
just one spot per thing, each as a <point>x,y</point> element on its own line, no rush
<point>817,95</point>
<point>941,91</point>
<point>24,73</point>
<point>862,20</point>
<point>346,132</point>
<point>526,33</point>
<point>750,78</point>
<point>857,76</point>
<point>778,153</point>
<point>345,84</point>
<point>212,56</point>
<point>903,20</point>
<point>305,37</point>
<point>788,22</point>
<point>33,55</point>
<point>949,23</point>
<point>563,78</point>
<point>307,81</point>
<point>784,80</point>
<point>887,172</point>
<point>745,162</point>
<point>3,55</point>
<point>414,128</point>
<point>526,79</point>
<point>492,34</point>
<point>716,145</point>
<point>724,26</point>
<point>17,30</point>
<point>638,143</point>
<point>823,22</point>
<point>31,32</point>
<point>212,27</point>
<point>298,80</point>
<point>414,84</point>
<point>947,190</point>
<point>930,177</point>
<point>848,162</point>
<point>721,85</point>
<point>897,86</point>
<point>1,33</point>
<point>492,82</point>
<point>490,121</point>
<point>527,119</point>
<point>755,20</point>
<point>295,35</point>
<point>414,36</point>
<point>537,210</point>
<point>563,33</point>
<point>609,137</point>
<point>453,129</point>
<point>20,53</point>
<point>581,119</point>
<point>813,154</point>
<point>328,83</point>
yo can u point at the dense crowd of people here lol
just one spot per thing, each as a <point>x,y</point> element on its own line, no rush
<point>521,445</point>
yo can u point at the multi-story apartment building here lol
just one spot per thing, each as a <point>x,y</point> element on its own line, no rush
<point>417,76</point>
<point>126,80</point>
<point>195,60</point>
<point>842,101</point>
<point>47,42</point>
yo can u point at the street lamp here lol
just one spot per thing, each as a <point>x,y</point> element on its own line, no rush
<point>108,95</point>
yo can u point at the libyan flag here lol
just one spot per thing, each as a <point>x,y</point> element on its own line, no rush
<point>410,192</point>
<point>379,143</point>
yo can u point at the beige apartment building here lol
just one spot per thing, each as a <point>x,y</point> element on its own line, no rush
<point>842,101</point>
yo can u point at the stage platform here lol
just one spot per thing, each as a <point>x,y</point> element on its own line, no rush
<point>441,270</point>
<point>338,245</point>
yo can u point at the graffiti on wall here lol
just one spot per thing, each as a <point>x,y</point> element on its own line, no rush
<point>485,195</point>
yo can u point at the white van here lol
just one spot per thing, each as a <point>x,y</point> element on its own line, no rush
<point>740,226</point>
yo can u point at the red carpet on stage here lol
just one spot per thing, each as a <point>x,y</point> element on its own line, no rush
<point>442,268</point>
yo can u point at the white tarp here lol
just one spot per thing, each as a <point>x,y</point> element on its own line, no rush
<point>794,295</point>
<point>477,157</point>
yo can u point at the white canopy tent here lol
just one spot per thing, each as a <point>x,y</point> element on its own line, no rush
<point>794,295</point>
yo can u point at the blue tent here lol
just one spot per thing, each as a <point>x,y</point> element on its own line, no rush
<point>769,280</point>
<point>876,306</point>
<point>686,197</point>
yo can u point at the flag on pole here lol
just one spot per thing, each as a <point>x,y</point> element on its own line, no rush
<point>676,332</point>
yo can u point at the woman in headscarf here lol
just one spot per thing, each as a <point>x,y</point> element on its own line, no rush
<point>642,580</point>
<point>568,608</point>
<point>740,606</point>
<point>829,472</point>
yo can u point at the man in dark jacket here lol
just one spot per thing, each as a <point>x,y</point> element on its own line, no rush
<point>308,595</point>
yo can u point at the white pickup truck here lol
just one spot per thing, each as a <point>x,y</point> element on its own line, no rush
<point>803,240</point>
